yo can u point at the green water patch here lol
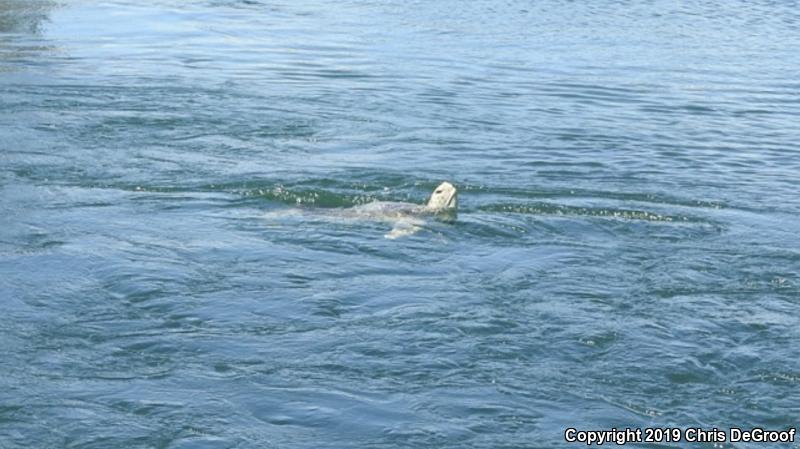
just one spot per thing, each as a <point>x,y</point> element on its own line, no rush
<point>309,197</point>
<point>336,193</point>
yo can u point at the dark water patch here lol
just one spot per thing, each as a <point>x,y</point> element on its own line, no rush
<point>24,17</point>
<point>653,198</point>
<point>563,210</point>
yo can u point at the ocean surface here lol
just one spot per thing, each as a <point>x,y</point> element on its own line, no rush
<point>174,272</point>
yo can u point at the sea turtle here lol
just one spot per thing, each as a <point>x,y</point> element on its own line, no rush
<point>406,218</point>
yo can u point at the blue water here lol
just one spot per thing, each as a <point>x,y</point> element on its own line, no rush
<point>627,250</point>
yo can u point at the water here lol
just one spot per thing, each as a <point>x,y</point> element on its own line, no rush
<point>627,251</point>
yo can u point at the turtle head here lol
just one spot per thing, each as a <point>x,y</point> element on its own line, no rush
<point>444,201</point>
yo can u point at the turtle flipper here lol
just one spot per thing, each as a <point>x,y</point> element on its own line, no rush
<point>403,228</point>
